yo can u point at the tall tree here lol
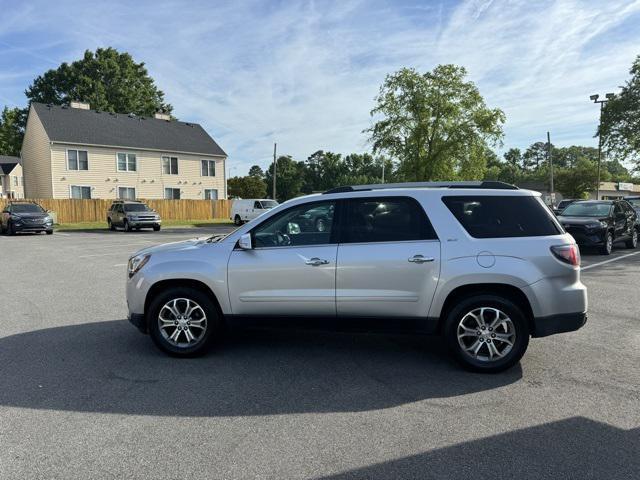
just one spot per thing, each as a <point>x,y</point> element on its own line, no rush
<point>433,122</point>
<point>580,179</point>
<point>247,187</point>
<point>12,121</point>
<point>289,177</point>
<point>107,79</point>
<point>256,171</point>
<point>535,156</point>
<point>620,126</point>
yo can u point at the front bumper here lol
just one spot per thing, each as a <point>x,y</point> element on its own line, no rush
<point>564,322</point>
<point>145,223</point>
<point>588,238</point>
<point>31,227</point>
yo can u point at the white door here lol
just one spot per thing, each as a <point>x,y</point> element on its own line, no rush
<point>290,271</point>
<point>388,259</point>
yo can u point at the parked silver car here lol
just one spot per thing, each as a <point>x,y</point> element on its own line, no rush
<point>132,215</point>
<point>482,263</point>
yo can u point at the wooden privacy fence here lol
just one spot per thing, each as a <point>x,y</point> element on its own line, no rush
<point>95,210</point>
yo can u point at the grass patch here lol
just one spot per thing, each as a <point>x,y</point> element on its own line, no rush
<point>165,223</point>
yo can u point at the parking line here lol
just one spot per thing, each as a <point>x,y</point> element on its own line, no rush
<point>102,254</point>
<point>609,261</point>
<point>120,265</point>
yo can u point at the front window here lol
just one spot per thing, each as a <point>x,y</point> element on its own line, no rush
<point>208,168</point>
<point>126,193</point>
<point>26,208</point>
<point>170,165</point>
<point>77,160</point>
<point>210,194</point>
<point>308,224</point>
<point>80,192</point>
<point>127,162</point>
<point>172,193</point>
<point>136,207</point>
<point>267,204</point>
<point>587,210</point>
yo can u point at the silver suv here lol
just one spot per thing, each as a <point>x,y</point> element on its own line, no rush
<point>132,215</point>
<point>483,264</point>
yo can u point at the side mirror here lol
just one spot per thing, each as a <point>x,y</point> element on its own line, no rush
<point>245,242</point>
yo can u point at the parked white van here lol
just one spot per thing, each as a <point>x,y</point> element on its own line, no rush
<point>247,209</point>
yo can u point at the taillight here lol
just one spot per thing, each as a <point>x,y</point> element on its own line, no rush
<point>567,254</point>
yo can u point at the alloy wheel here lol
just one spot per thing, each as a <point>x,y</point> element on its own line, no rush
<point>182,322</point>
<point>486,334</point>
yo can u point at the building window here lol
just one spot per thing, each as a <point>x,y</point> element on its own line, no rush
<point>170,165</point>
<point>127,162</point>
<point>78,191</point>
<point>126,193</point>
<point>210,194</point>
<point>16,182</point>
<point>77,160</point>
<point>172,193</point>
<point>208,168</point>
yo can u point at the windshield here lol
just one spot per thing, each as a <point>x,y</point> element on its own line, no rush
<point>268,203</point>
<point>587,210</point>
<point>635,202</point>
<point>26,208</point>
<point>136,207</point>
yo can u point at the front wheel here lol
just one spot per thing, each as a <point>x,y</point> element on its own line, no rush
<point>607,247</point>
<point>156,228</point>
<point>487,333</point>
<point>633,241</point>
<point>127,227</point>
<point>237,220</point>
<point>183,321</point>
<point>111,225</point>
<point>11,229</point>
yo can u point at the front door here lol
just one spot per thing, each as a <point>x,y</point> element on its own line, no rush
<point>388,259</point>
<point>290,271</point>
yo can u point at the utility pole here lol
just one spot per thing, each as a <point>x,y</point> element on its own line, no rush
<point>382,169</point>
<point>550,160</point>
<point>274,170</point>
<point>608,96</point>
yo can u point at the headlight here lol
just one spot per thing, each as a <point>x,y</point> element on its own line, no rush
<point>603,224</point>
<point>48,219</point>
<point>136,263</point>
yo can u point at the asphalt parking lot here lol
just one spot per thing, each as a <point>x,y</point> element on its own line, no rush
<point>85,395</point>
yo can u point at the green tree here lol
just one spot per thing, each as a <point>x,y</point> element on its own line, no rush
<point>535,156</point>
<point>513,157</point>
<point>247,187</point>
<point>289,177</point>
<point>256,171</point>
<point>433,123</point>
<point>12,121</point>
<point>620,126</point>
<point>579,179</point>
<point>107,79</point>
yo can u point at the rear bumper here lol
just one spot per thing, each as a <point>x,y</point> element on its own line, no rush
<point>564,322</point>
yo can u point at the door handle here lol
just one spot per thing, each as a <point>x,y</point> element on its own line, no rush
<point>421,259</point>
<point>315,262</point>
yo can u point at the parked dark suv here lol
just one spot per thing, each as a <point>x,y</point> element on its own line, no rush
<point>25,217</point>
<point>601,223</point>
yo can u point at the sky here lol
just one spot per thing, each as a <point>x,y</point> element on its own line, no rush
<point>305,74</point>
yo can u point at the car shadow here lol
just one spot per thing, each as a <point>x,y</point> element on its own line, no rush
<point>576,448</point>
<point>109,367</point>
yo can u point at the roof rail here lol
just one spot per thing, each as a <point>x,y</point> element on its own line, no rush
<point>484,184</point>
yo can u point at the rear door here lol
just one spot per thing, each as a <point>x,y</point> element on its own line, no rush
<point>388,259</point>
<point>620,221</point>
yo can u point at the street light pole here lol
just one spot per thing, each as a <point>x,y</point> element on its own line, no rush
<point>608,97</point>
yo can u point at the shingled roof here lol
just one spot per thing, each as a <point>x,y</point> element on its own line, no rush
<point>91,127</point>
<point>7,164</point>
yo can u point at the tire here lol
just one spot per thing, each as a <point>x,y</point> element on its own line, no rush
<point>181,348</point>
<point>607,248</point>
<point>11,229</point>
<point>513,327</point>
<point>49,232</point>
<point>633,241</point>
<point>237,221</point>
<point>156,228</point>
<point>127,227</point>
<point>111,225</point>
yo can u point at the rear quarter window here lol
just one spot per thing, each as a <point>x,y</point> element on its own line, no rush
<point>502,216</point>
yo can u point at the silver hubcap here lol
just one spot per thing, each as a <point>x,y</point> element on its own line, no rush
<point>182,322</point>
<point>486,334</point>
<point>609,243</point>
<point>634,238</point>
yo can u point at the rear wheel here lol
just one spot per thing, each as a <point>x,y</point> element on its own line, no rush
<point>487,333</point>
<point>183,321</point>
<point>607,247</point>
<point>237,220</point>
<point>633,241</point>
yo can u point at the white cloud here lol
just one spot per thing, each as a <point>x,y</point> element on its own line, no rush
<point>304,74</point>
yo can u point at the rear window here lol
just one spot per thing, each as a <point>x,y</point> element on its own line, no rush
<point>502,216</point>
